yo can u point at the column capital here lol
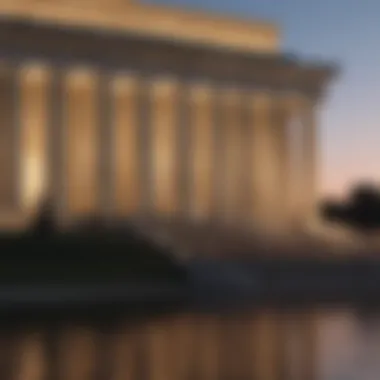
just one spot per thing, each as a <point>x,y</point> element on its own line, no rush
<point>295,105</point>
<point>80,76</point>
<point>164,86</point>
<point>35,72</point>
<point>121,83</point>
<point>261,98</point>
<point>200,92</point>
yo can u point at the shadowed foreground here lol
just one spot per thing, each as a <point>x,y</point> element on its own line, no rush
<point>99,303</point>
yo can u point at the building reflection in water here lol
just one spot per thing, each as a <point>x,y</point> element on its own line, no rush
<point>323,345</point>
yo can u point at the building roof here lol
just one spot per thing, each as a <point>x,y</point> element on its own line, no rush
<point>149,20</point>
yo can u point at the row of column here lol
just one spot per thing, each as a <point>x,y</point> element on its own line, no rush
<point>184,347</point>
<point>123,145</point>
<point>9,135</point>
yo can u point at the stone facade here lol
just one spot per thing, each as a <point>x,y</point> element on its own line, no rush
<point>126,125</point>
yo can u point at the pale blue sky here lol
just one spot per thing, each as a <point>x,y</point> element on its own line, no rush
<point>346,31</point>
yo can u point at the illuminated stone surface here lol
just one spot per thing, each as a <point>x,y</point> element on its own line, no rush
<point>96,121</point>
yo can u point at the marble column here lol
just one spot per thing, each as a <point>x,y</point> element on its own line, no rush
<point>310,145</point>
<point>295,181</point>
<point>9,139</point>
<point>183,152</point>
<point>231,164</point>
<point>264,169</point>
<point>56,146</point>
<point>218,209</point>
<point>164,139</point>
<point>127,191</point>
<point>81,127</point>
<point>283,187</point>
<point>202,145</point>
<point>144,130</point>
<point>34,124</point>
<point>246,204</point>
<point>106,142</point>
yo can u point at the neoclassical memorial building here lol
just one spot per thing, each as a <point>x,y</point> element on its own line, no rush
<point>127,110</point>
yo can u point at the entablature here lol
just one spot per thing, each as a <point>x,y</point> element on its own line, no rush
<point>24,40</point>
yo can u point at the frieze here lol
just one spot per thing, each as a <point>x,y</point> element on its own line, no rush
<point>68,46</point>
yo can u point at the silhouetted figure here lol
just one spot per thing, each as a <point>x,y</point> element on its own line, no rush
<point>44,223</point>
<point>361,211</point>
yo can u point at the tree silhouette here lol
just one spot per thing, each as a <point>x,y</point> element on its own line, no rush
<point>361,211</point>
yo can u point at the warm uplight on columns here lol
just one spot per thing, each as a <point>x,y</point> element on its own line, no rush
<point>282,114</point>
<point>201,150</point>
<point>231,129</point>
<point>126,144</point>
<point>34,118</point>
<point>81,127</point>
<point>263,160</point>
<point>295,172</point>
<point>164,114</point>
<point>310,145</point>
<point>302,188</point>
<point>9,149</point>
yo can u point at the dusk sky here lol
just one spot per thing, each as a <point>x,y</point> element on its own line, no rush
<point>342,31</point>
